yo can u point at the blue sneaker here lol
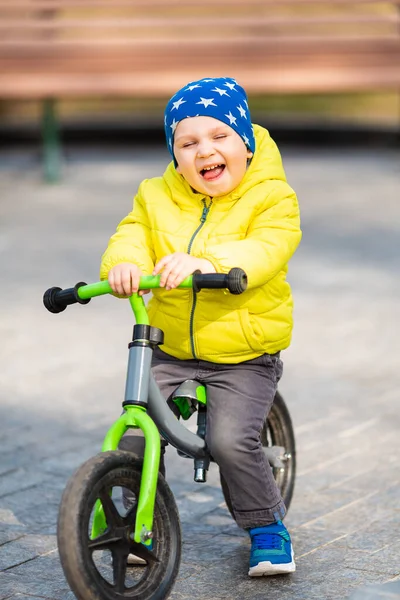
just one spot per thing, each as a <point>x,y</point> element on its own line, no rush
<point>271,551</point>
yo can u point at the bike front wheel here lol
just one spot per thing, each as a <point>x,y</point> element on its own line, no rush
<point>96,568</point>
<point>277,434</point>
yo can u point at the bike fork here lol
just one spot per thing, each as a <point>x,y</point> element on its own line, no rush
<point>135,416</point>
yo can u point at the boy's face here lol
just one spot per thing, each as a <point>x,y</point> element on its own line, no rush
<point>211,156</point>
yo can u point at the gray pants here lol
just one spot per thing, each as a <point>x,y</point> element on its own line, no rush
<point>239,398</point>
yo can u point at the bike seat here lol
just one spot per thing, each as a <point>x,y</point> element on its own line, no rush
<point>187,396</point>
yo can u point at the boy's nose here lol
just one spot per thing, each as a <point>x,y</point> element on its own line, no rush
<point>205,149</point>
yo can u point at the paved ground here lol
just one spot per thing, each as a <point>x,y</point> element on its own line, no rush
<point>62,377</point>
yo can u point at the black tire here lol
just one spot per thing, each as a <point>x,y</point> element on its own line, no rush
<point>277,431</point>
<point>97,569</point>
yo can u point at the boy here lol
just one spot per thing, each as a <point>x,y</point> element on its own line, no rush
<point>223,202</point>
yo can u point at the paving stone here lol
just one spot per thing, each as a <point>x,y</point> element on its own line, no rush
<point>383,560</point>
<point>387,591</point>
<point>46,566</point>
<point>25,549</point>
<point>9,535</point>
<point>45,588</point>
<point>20,479</point>
<point>204,549</point>
<point>373,537</point>
<point>310,540</point>
<point>352,515</point>
<point>207,586</point>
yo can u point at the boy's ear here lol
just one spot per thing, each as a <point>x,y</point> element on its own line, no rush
<point>249,154</point>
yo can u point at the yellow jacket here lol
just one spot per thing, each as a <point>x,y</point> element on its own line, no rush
<point>255,227</point>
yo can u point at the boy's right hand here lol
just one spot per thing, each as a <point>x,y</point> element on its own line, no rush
<point>124,279</point>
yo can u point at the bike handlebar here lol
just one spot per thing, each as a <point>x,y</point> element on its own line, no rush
<point>235,281</point>
<point>56,299</point>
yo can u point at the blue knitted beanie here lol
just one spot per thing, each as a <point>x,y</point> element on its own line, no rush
<point>220,97</point>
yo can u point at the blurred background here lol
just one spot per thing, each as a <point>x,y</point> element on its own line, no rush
<point>83,84</point>
<point>79,68</point>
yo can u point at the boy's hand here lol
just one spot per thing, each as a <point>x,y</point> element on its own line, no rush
<point>179,265</point>
<point>124,279</point>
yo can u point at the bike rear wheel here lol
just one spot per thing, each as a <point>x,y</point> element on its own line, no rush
<point>96,569</point>
<point>278,433</point>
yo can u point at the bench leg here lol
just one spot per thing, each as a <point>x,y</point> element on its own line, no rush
<point>51,142</point>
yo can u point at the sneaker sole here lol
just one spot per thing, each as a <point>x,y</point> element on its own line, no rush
<point>266,568</point>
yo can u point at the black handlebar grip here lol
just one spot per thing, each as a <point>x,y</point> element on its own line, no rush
<point>235,281</point>
<point>56,300</point>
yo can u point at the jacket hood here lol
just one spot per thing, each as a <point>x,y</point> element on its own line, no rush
<point>265,165</point>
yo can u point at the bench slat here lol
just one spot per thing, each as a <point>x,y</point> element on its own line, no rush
<point>173,22</point>
<point>274,63</point>
<point>260,43</point>
<point>17,5</point>
<point>271,80</point>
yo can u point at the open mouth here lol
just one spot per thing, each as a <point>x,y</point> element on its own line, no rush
<point>213,172</point>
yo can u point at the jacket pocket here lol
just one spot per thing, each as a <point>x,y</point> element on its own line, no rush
<point>252,331</point>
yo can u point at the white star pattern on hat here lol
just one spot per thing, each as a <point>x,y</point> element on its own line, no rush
<point>177,104</point>
<point>231,118</point>
<point>206,102</point>
<point>241,110</point>
<point>220,92</point>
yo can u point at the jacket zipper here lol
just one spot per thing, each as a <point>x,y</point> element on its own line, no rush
<point>203,218</point>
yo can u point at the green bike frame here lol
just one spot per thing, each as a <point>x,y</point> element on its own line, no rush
<point>134,416</point>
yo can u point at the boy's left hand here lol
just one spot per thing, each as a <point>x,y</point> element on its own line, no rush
<point>174,268</point>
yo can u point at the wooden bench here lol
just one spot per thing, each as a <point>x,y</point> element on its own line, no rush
<point>52,49</point>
